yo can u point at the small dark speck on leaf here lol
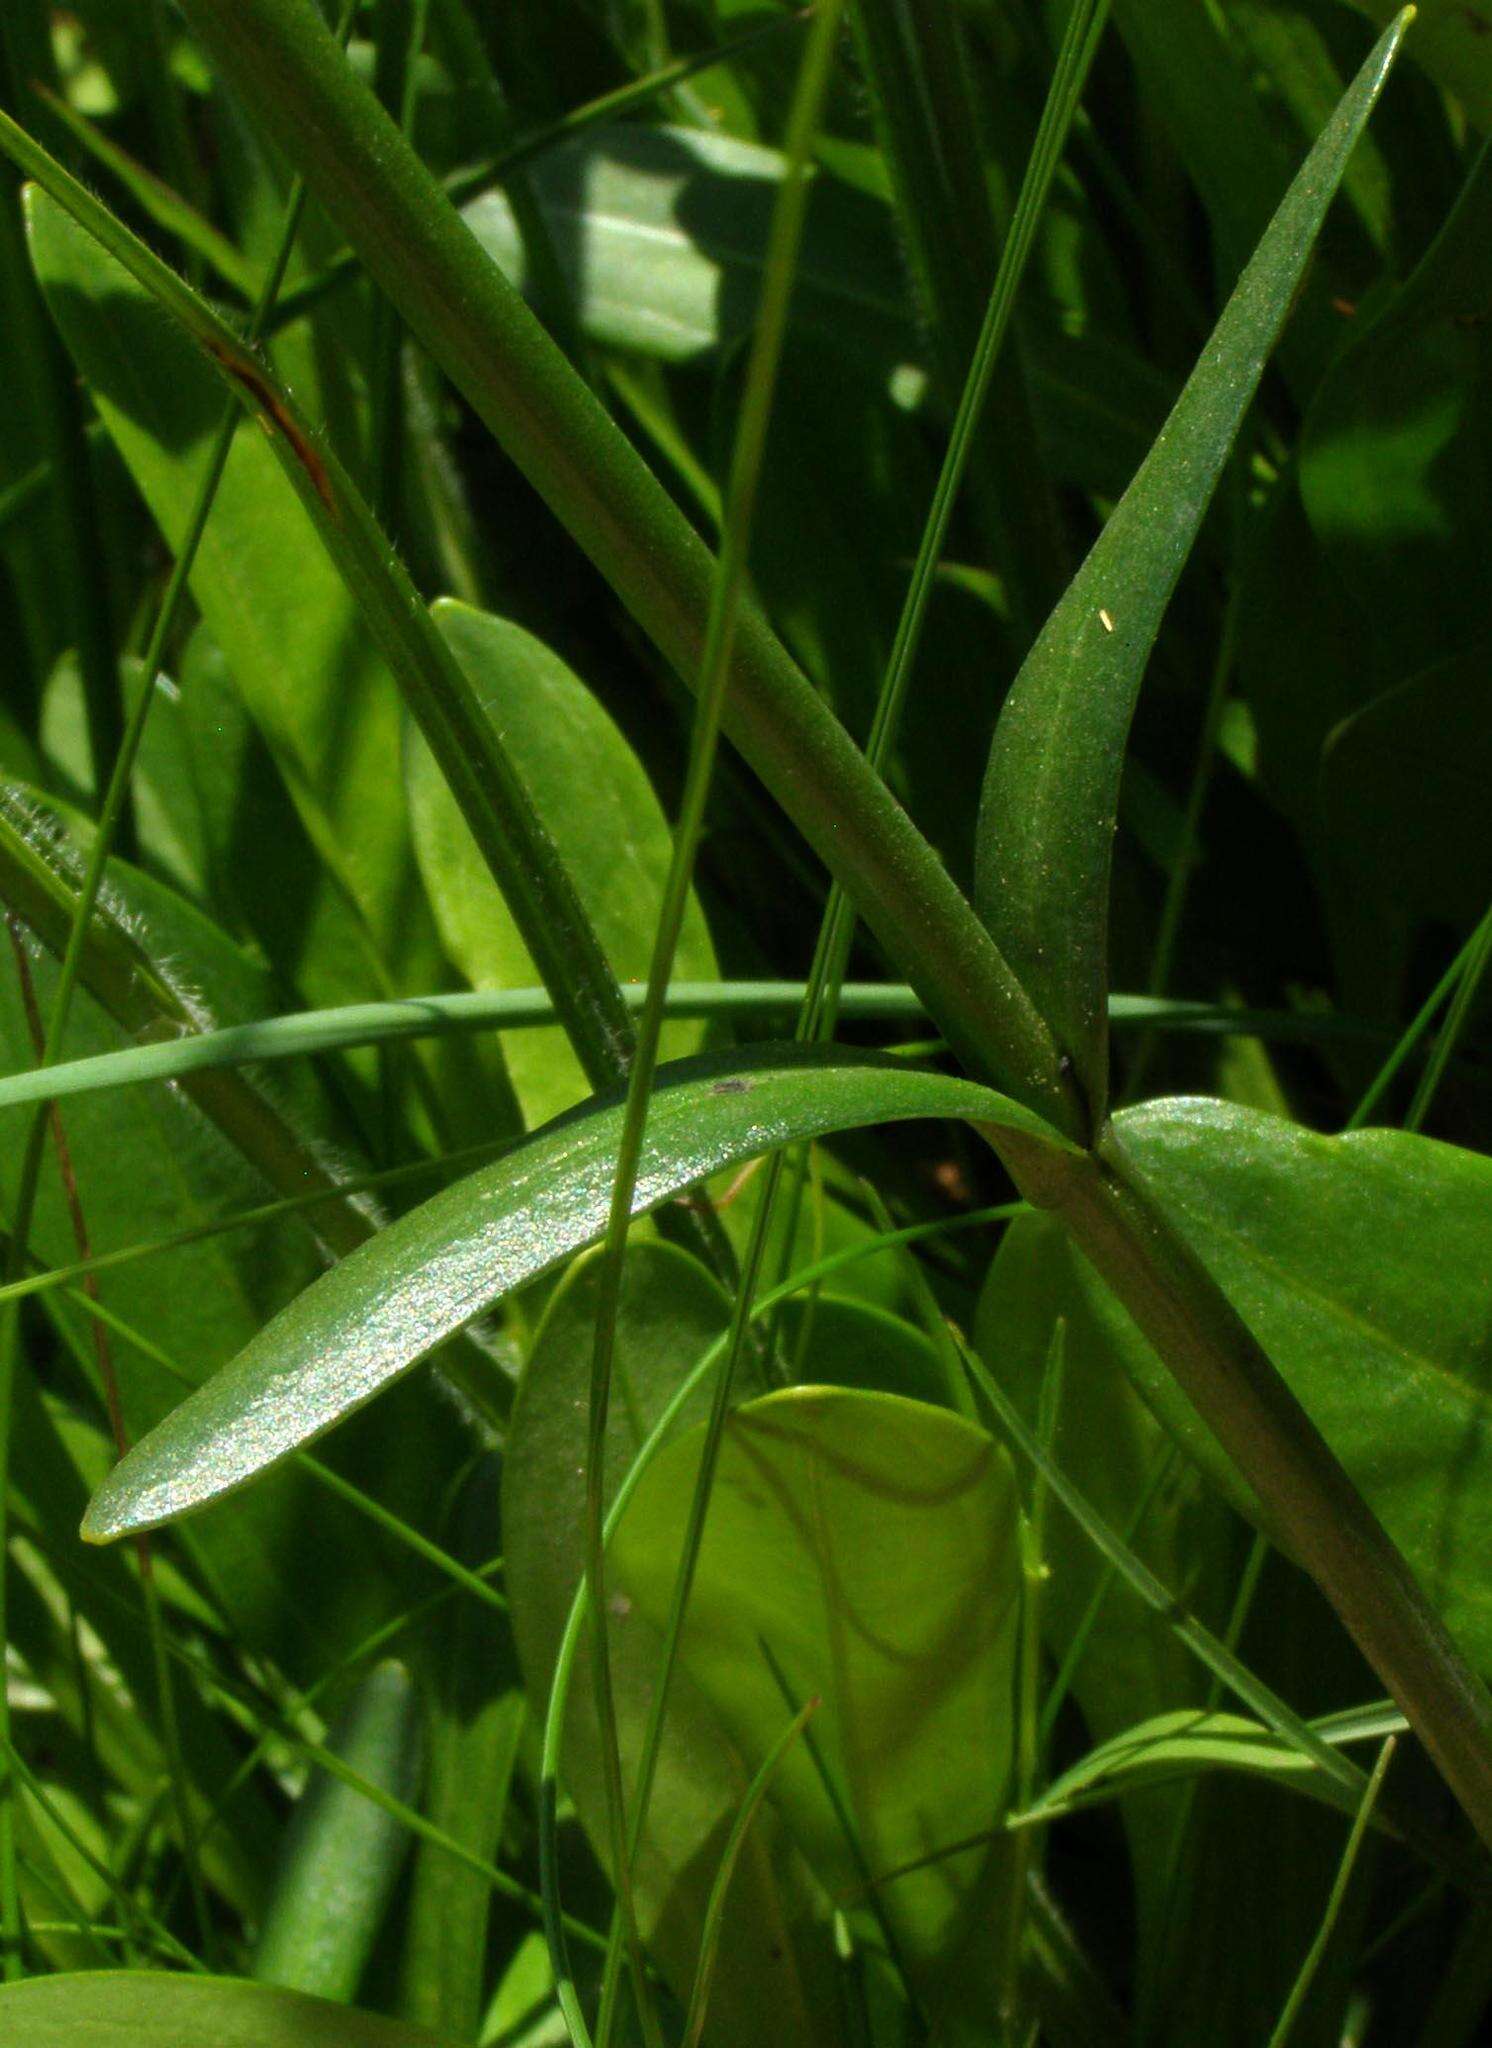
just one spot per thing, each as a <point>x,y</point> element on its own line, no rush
<point>732,1086</point>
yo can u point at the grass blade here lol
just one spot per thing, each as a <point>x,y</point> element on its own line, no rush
<point>306,1033</point>
<point>722,625</point>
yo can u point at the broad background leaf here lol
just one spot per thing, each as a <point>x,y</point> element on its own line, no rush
<point>870,1543</point>
<point>775,1943</point>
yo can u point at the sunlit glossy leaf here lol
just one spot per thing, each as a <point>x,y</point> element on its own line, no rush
<point>383,1308</point>
<point>867,1546</point>
<point>1051,792</point>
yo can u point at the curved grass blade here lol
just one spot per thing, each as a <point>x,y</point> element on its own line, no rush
<point>1051,791</point>
<point>376,1314</point>
<point>1182,1744</point>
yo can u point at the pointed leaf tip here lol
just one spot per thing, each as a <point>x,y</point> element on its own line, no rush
<point>1051,792</point>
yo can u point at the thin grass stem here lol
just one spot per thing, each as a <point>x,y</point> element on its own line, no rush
<point>727,593</point>
<point>1300,1989</point>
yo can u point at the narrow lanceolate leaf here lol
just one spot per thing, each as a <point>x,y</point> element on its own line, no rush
<point>361,1325</point>
<point>1051,792</point>
<point>149,2009</point>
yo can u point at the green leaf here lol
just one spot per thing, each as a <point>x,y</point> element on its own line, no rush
<point>866,1545</point>
<point>148,2009</point>
<point>1052,788</point>
<point>1358,1264</point>
<point>1453,40</point>
<point>149,1165</point>
<point>341,1856</point>
<point>307,670</point>
<point>382,1309</point>
<point>775,1944</point>
<point>661,234</point>
<point>374,583</point>
<point>614,846</point>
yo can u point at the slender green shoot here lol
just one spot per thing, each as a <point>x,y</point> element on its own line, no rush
<point>727,593</point>
<point>307,1033</point>
<point>1423,1018</point>
<point>1468,988</point>
<point>1300,1989</point>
